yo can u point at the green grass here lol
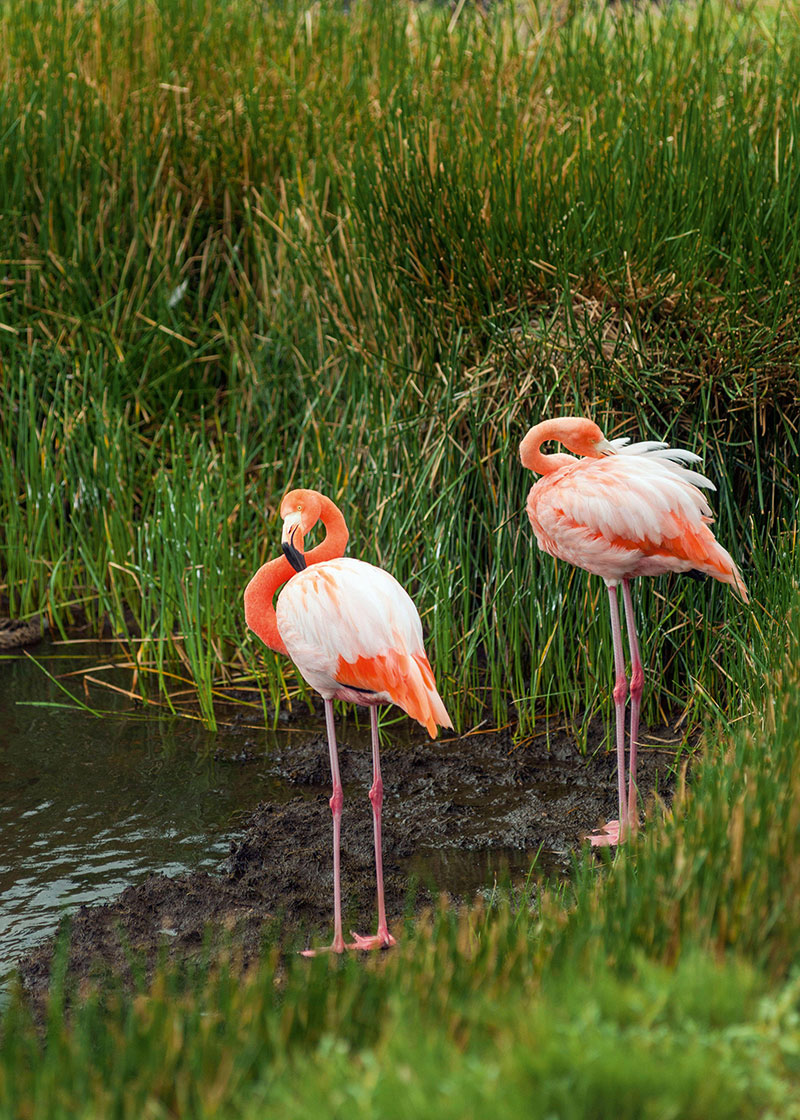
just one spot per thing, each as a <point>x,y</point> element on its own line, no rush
<point>704,1041</point>
<point>364,251</point>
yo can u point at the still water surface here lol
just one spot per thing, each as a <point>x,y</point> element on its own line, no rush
<point>88,805</point>
<point>91,805</point>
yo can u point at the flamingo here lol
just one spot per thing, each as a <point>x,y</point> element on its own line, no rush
<point>354,634</point>
<point>624,510</point>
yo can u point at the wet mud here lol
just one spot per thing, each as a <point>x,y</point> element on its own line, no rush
<point>460,816</point>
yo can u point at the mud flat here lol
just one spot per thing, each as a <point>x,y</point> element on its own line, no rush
<point>461,816</point>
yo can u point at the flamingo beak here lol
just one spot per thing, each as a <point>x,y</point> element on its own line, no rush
<point>292,541</point>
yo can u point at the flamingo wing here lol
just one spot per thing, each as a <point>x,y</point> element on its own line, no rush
<point>350,627</point>
<point>638,511</point>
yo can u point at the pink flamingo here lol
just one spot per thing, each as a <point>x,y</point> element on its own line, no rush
<point>354,634</point>
<point>620,512</point>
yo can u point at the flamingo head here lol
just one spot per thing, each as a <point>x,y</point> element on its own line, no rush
<point>300,510</point>
<point>576,433</point>
<point>581,436</point>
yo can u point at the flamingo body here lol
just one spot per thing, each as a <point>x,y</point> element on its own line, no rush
<point>354,634</point>
<point>636,512</point>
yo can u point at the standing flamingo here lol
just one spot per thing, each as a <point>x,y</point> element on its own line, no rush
<point>354,634</point>
<point>622,511</point>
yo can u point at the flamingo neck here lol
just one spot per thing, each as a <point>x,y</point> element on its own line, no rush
<point>531,455</point>
<point>259,609</point>
<point>335,540</point>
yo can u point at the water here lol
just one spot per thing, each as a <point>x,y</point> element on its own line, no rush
<point>89,806</point>
<point>469,872</point>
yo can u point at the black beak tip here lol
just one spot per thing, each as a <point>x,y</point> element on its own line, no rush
<point>294,556</point>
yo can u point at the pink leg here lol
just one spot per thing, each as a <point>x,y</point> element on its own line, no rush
<point>382,939</point>
<point>614,831</point>
<point>637,688</point>
<point>336,803</point>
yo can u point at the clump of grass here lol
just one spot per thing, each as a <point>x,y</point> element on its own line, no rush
<point>723,872</point>
<point>363,250</point>
<point>421,1034</point>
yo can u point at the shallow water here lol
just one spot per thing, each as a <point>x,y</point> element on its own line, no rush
<point>485,871</point>
<point>88,805</point>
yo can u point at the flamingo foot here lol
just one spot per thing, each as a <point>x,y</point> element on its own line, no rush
<point>381,940</point>
<point>606,837</point>
<point>337,946</point>
<point>325,949</point>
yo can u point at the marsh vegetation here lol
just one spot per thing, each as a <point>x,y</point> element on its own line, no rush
<point>362,249</point>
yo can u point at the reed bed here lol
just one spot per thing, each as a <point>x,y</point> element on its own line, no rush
<point>364,249</point>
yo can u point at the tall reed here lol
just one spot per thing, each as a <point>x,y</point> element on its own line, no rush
<point>364,250</point>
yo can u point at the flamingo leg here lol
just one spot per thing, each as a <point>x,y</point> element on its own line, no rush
<point>336,803</point>
<point>382,939</point>
<point>637,688</point>
<point>614,831</point>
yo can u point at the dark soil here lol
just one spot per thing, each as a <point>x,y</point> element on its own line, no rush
<point>458,815</point>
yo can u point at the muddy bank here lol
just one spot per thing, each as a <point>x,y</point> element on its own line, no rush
<point>458,815</point>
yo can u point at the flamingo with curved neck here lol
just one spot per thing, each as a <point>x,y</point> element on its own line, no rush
<point>622,511</point>
<point>354,634</point>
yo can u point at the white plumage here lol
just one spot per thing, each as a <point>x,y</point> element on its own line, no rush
<point>620,515</point>
<point>346,609</point>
